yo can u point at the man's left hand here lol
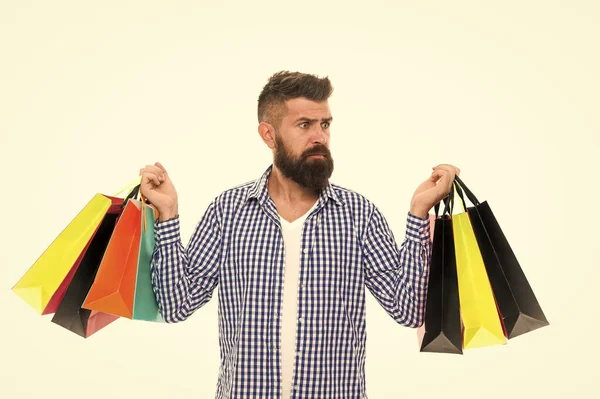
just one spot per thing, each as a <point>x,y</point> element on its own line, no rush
<point>433,190</point>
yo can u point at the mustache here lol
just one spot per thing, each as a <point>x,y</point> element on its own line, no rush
<point>317,150</point>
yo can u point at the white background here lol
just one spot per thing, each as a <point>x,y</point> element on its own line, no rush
<point>90,92</point>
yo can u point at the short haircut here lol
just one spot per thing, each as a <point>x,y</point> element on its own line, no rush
<point>286,85</point>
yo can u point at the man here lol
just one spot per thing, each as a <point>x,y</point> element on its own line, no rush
<point>292,255</point>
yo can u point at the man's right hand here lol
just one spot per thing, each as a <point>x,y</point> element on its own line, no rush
<point>158,188</point>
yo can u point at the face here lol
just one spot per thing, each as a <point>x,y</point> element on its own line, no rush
<point>302,144</point>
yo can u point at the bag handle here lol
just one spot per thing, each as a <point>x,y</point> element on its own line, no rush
<point>448,205</point>
<point>129,187</point>
<point>137,194</point>
<point>460,194</point>
<point>468,192</point>
<point>459,186</point>
<point>134,194</point>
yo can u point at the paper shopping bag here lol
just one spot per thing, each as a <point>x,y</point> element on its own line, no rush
<point>442,326</point>
<point>421,329</point>
<point>145,306</point>
<point>479,312</point>
<point>113,288</point>
<point>443,330</point>
<point>519,307</point>
<point>44,284</point>
<point>69,314</point>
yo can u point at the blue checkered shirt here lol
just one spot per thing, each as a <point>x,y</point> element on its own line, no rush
<point>238,245</point>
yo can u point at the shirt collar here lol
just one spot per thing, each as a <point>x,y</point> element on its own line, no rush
<point>259,190</point>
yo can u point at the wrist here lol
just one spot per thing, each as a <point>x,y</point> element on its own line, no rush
<point>171,214</point>
<point>419,212</point>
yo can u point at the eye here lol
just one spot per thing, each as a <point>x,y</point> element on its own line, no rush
<point>325,125</point>
<point>303,125</point>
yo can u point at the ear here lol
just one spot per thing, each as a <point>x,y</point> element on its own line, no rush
<point>266,132</point>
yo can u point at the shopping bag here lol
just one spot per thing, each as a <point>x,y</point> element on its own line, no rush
<point>421,329</point>
<point>479,312</point>
<point>145,306</point>
<point>45,283</point>
<point>69,313</point>
<point>123,284</point>
<point>114,286</point>
<point>442,326</point>
<point>518,305</point>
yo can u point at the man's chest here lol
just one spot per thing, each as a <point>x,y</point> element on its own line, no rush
<point>328,247</point>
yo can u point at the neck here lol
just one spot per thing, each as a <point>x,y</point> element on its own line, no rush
<point>281,188</point>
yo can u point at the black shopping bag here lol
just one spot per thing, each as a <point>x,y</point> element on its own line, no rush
<point>443,326</point>
<point>517,303</point>
<point>70,314</point>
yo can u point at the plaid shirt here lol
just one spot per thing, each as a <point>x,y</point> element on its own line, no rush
<point>346,246</point>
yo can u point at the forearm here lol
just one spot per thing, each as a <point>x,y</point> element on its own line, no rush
<point>398,277</point>
<point>176,295</point>
<point>412,290</point>
<point>180,289</point>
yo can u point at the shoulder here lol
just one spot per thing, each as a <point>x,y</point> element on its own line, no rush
<point>234,195</point>
<point>355,201</point>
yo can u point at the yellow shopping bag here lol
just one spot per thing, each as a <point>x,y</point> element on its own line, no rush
<point>481,320</point>
<point>44,284</point>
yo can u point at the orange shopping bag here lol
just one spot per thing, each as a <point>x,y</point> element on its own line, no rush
<point>113,289</point>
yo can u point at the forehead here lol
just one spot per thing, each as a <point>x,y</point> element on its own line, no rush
<point>303,107</point>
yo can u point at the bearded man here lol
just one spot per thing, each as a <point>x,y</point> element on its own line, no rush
<point>292,254</point>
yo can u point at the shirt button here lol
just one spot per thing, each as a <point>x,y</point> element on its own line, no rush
<point>303,285</point>
<point>305,250</point>
<point>298,353</point>
<point>301,320</point>
<point>296,387</point>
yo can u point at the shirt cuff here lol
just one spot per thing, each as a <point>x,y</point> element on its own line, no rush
<point>417,228</point>
<point>166,232</point>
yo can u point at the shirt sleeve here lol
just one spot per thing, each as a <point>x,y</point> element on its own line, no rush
<point>183,279</point>
<point>397,276</point>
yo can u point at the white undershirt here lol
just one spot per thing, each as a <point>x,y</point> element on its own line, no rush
<point>292,241</point>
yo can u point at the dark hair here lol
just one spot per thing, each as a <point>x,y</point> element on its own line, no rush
<point>285,85</point>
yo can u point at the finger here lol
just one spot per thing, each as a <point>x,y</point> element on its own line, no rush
<point>448,167</point>
<point>150,177</point>
<point>145,170</point>
<point>427,184</point>
<point>450,170</point>
<point>438,174</point>
<point>444,180</point>
<point>155,170</point>
<point>162,168</point>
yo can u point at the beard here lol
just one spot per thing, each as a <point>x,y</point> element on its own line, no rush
<point>311,173</point>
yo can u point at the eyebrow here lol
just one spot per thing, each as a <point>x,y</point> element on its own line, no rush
<point>304,118</point>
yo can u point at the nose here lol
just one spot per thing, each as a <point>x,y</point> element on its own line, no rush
<point>320,135</point>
